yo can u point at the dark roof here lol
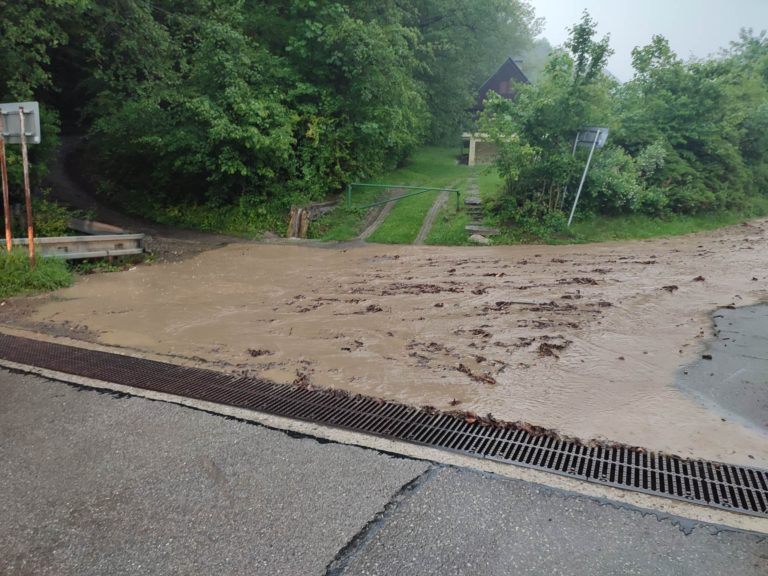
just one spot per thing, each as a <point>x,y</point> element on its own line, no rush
<point>502,82</point>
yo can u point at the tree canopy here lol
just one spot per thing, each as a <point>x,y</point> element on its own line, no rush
<point>686,137</point>
<point>252,101</point>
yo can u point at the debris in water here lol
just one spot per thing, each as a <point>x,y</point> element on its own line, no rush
<point>256,353</point>
<point>671,288</point>
<point>302,379</point>
<point>482,378</point>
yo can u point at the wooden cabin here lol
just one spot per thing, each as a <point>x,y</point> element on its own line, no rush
<point>502,82</point>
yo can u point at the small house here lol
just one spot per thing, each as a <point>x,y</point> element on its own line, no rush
<point>502,82</point>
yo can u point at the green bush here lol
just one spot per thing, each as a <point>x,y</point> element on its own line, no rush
<point>17,278</point>
<point>49,218</point>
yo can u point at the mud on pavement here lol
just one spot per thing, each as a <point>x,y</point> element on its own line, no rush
<point>585,339</point>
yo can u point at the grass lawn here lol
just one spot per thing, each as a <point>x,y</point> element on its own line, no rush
<point>448,229</point>
<point>16,278</point>
<point>431,167</point>
<point>638,227</point>
<point>346,222</point>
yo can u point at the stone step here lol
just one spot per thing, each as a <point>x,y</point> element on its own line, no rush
<point>473,201</point>
<point>480,229</point>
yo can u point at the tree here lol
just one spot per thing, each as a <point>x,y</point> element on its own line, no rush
<point>535,131</point>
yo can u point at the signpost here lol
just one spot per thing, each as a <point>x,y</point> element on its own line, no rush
<point>594,137</point>
<point>19,124</point>
<point>4,177</point>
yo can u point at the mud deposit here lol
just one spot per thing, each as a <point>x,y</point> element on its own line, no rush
<point>582,339</point>
<point>731,377</point>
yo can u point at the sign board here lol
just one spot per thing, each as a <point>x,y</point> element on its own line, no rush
<point>588,134</point>
<point>10,112</point>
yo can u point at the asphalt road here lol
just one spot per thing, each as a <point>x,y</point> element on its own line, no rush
<point>731,378</point>
<point>93,483</point>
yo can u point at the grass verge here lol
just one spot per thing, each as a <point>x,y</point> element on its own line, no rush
<point>16,278</point>
<point>346,222</point>
<point>638,227</point>
<point>431,167</point>
<point>448,229</point>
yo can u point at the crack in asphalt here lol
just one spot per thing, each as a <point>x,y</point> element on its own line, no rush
<point>359,541</point>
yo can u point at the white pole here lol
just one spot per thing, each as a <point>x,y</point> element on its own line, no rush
<point>583,177</point>
<point>27,195</point>
<point>565,189</point>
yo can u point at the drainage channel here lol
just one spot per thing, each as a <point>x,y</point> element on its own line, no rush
<point>734,488</point>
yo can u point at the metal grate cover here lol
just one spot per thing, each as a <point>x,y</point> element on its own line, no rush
<point>735,488</point>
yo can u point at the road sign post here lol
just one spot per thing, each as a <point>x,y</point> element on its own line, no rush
<point>6,193</point>
<point>27,193</point>
<point>19,124</point>
<point>594,137</point>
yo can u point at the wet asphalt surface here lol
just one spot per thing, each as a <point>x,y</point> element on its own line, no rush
<point>731,377</point>
<point>95,483</point>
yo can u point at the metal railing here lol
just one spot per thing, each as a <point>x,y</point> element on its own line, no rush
<point>419,190</point>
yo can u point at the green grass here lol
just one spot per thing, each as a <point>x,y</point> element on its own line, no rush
<point>639,227</point>
<point>345,223</point>
<point>16,278</point>
<point>489,181</point>
<point>448,229</point>
<point>431,167</point>
<point>405,220</point>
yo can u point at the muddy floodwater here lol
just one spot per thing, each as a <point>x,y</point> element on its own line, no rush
<point>583,339</point>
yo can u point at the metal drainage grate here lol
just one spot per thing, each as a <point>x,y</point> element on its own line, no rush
<point>734,488</point>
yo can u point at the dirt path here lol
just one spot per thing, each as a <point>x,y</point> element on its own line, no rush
<point>583,339</point>
<point>429,219</point>
<point>167,243</point>
<point>380,217</point>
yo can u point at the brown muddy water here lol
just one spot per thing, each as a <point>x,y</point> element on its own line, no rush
<point>583,339</point>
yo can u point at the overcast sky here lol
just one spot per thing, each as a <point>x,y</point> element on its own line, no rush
<point>693,27</point>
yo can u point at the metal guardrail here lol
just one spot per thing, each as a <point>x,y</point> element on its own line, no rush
<point>420,190</point>
<point>83,247</point>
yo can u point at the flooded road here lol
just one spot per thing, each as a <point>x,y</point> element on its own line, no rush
<point>583,339</point>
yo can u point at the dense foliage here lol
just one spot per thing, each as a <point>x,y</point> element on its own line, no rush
<point>686,137</point>
<point>250,105</point>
